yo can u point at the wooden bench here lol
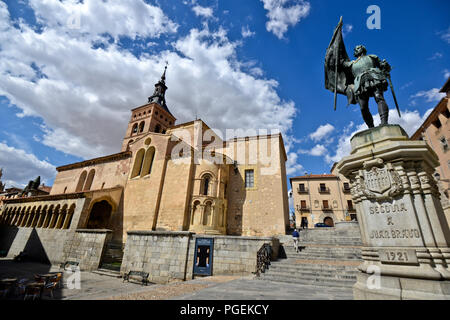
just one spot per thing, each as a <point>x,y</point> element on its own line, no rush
<point>69,265</point>
<point>140,275</point>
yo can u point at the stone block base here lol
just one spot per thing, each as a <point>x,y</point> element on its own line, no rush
<point>396,288</point>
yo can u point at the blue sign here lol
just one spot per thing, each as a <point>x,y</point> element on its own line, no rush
<point>203,257</point>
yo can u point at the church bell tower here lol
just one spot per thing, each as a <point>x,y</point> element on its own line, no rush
<point>151,117</point>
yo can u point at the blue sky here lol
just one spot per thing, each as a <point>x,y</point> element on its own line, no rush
<point>72,70</point>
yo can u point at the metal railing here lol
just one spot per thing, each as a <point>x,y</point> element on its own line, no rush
<point>263,258</point>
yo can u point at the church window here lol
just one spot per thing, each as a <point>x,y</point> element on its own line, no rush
<point>249,178</point>
<point>141,126</point>
<point>157,128</point>
<point>148,161</point>
<point>137,168</point>
<point>206,185</point>
<point>89,180</point>
<point>81,181</point>
<point>135,128</point>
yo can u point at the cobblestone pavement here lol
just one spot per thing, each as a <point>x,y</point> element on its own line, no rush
<point>248,288</point>
<point>99,287</point>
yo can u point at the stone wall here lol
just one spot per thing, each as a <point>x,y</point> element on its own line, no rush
<point>87,247</point>
<point>169,256</point>
<point>162,254</point>
<point>232,255</point>
<point>45,245</point>
<point>55,246</point>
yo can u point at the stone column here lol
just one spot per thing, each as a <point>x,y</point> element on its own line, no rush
<point>405,234</point>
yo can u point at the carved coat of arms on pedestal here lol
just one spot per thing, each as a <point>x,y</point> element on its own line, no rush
<point>379,180</point>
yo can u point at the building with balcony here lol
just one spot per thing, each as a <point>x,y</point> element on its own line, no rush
<point>435,130</point>
<point>322,198</point>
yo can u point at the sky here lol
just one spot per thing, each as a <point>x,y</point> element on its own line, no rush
<point>71,71</point>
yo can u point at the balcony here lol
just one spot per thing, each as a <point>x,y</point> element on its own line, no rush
<point>302,190</point>
<point>303,208</point>
<point>327,208</point>
<point>324,190</point>
<point>346,189</point>
<point>351,209</point>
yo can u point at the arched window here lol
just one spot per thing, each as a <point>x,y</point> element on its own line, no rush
<point>135,128</point>
<point>157,128</point>
<point>90,178</point>
<point>81,181</point>
<point>138,163</point>
<point>148,161</point>
<point>205,188</point>
<point>141,126</point>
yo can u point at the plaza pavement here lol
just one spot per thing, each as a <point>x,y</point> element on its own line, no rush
<point>100,287</point>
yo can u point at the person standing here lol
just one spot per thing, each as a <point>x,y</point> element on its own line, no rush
<point>295,237</point>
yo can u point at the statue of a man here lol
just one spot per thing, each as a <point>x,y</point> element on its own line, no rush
<point>366,76</point>
<point>370,81</point>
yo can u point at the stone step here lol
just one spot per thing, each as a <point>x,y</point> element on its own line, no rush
<point>313,273</point>
<point>312,267</point>
<point>108,272</point>
<point>323,251</point>
<point>318,256</point>
<point>318,281</point>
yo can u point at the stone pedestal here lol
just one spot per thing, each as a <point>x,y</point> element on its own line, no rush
<point>404,231</point>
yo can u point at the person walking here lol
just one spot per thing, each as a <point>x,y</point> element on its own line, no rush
<point>295,237</point>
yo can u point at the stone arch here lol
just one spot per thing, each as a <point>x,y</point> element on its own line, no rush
<point>23,223</point>
<point>206,180</point>
<point>89,180</point>
<point>55,216</point>
<point>137,167</point>
<point>141,126</point>
<point>36,217</point>
<point>69,216</point>
<point>30,217</point>
<point>81,181</point>
<point>42,216</point>
<point>100,214</point>
<point>196,213</point>
<point>48,216</point>
<point>207,214</point>
<point>148,161</point>
<point>61,217</point>
<point>134,130</point>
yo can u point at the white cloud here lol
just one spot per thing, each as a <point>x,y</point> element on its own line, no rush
<point>435,56</point>
<point>292,165</point>
<point>446,73</point>
<point>347,29</point>
<point>431,95</point>
<point>246,32</point>
<point>410,122</point>
<point>321,132</point>
<point>20,167</point>
<point>206,12</point>
<point>86,94</point>
<point>445,35</point>
<point>284,13</point>
<point>92,17</point>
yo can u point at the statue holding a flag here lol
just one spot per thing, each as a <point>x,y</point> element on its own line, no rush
<point>359,79</point>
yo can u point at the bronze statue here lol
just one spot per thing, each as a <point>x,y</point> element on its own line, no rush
<point>32,186</point>
<point>360,79</point>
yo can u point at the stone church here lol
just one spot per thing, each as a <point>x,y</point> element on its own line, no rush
<point>168,177</point>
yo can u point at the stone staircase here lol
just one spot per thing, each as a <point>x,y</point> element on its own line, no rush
<point>112,259</point>
<point>327,257</point>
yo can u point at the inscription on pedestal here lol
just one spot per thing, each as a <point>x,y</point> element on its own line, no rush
<point>392,224</point>
<point>396,256</point>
